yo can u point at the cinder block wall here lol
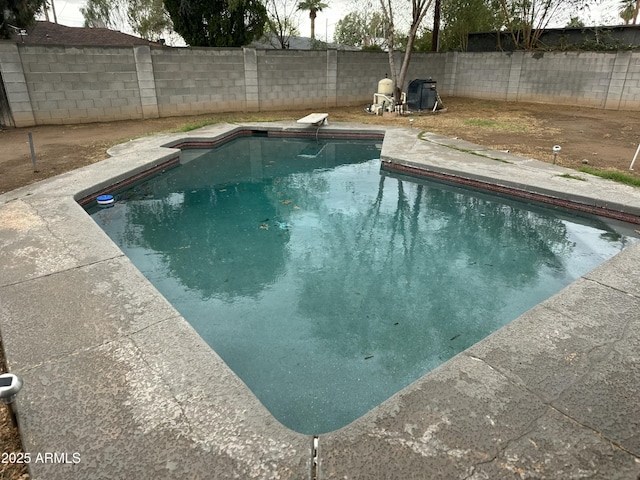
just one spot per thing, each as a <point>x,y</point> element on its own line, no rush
<point>608,80</point>
<point>89,84</point>
<point>358,76</point>
<point>293,79</point>
<point>191,81</point>
<point>53,84</point>
<point>623,91</point>
<point>429,65</point>
<point>572,78</point>
<point>15,87</point>
<point>487,79</point>
<point>630,86</point>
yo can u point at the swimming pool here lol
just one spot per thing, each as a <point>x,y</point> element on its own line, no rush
<point>93,339</point>
<point>328,285</point>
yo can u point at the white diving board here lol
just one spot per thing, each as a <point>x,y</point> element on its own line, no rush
<point>316,119</point>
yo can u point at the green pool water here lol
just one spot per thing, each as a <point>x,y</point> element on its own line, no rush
<point>327,285</point>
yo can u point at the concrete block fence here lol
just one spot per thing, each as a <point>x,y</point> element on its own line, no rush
<point>46,84</point>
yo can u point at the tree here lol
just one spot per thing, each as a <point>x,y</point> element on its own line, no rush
<point>146,18</point>
<point>218,23</point>
<point>360,29</point>
<point>313,6</point>
<point>18,14</point>
<point>149,18</point>
<point>419,9</point>
<point>110,14</point>
<point>629,11</point>
<point>527,19</point>
<point>350,30</point>
<point>315,44</point>
<point>281,21</point>
<point>435,34</point>
<point>463,17</point>
<point>424,41</point>
<point>575,22</point>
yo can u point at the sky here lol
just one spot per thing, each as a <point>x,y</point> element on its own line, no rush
<point>68,13</point>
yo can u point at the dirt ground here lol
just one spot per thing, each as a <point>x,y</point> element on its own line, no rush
<point>607,140</point>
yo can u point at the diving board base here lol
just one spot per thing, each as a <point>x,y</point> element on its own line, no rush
<point>316,119</point>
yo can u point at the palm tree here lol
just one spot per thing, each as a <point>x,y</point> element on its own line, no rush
<point>627,10</point>
<point>314,6</point>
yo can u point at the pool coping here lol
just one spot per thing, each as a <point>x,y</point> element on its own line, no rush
<point>551,395</point>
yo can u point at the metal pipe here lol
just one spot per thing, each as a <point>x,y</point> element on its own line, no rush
<point>33,152</point>
<point>634,158</point>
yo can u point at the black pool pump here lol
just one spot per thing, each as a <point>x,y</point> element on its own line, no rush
<point>422,95</point>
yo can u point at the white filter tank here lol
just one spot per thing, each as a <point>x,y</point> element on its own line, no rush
<point>385,86</point>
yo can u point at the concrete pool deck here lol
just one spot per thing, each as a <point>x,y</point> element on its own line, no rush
<point>116,376</point>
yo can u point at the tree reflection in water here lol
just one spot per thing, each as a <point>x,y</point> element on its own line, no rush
<point>327,285</point>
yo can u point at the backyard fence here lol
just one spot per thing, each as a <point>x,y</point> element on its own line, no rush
<point>48,84</point>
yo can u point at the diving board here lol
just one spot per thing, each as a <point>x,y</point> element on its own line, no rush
<point>316,119</point>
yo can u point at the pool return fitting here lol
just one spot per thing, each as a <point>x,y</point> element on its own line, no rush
<point>10,385</point>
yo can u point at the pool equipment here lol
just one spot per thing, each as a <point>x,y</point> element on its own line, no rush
<point>423,96</point>
<point>384,100</point>
<point>105,200</point>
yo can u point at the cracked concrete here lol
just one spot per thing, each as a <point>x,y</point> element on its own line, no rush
<point>114,373</point>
